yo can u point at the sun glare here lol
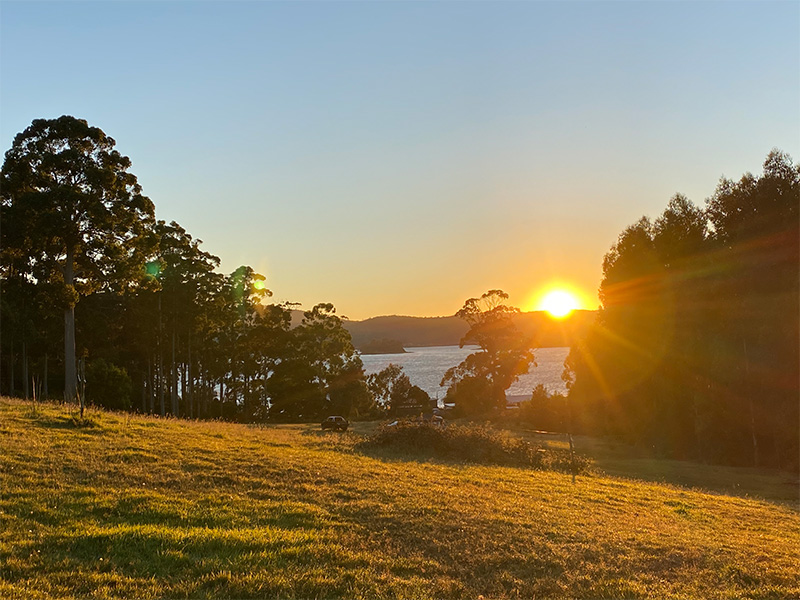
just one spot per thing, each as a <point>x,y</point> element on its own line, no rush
<point>559,303</point>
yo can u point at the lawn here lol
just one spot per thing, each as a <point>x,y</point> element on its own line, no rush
<point>149,508</point>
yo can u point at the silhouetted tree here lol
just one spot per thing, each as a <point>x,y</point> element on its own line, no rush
<point>381,384</point>
<point>321,371</point>
<point>695,350</point>
<point>79,218</point>
<point>478,384</point>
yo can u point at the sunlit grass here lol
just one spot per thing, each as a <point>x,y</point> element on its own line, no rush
<point>150,508</point>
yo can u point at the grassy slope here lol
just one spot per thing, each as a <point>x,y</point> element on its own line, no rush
<point>142,507</point>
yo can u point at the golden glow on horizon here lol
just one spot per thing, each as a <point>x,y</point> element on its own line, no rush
<point>559,300</point>
<point>559,303</point>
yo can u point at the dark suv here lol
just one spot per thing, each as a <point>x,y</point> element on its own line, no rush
<point>335,423</point>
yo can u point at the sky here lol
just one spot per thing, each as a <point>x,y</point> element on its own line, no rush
<point>401,157</point>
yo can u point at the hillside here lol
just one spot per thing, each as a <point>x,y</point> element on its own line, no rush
<point>145,507</point>
<point>543,331</point>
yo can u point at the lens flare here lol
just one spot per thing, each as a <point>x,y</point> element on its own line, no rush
<point>153,268</point>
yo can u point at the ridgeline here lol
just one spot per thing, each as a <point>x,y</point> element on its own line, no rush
<point>538,326</point>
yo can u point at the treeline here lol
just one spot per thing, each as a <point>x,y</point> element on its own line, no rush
<point>695,351</point>
<point>132,312</point>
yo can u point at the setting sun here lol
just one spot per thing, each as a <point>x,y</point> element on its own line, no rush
<point>559,303</point>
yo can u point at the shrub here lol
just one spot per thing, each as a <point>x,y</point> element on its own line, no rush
<point>475,396</point>
<point>108,385</point>
<point>471,443</point>
<point>545,411</point>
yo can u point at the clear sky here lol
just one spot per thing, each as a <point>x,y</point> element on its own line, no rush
<point>400,157</point>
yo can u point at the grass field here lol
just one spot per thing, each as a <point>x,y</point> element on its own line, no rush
<point>139,507</point>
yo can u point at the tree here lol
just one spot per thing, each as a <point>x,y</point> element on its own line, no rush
<point>382,383</point>
<point>545,411</point>
<point>78,217</point>
<point>695,351</point>
<point>394,392</point>
<point>320,372</point>
<point>478,384</point>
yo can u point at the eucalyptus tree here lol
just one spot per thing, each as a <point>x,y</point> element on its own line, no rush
<point>756,240</point>
<point>478,384</point>
<point>243,293</point>
<point>81,220</point>
<point>185,273</point>
<point>696,349</point>
<point>320,371</point>
<point>267,342</point>
<point>382,384</point>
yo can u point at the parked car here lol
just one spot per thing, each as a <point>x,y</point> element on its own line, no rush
<point>335,423</point>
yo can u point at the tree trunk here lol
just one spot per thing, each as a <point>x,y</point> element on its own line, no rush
<point>698,437</point>
<point>46,393</point>
<point>25,387</point>
<point>184,374</point>
<point>748,391</point>
<point>70,367</point>
<point>144,393</point>
<point>160,361</point>
<point>150,388</point>
<point>11,369</point>
<point>174,380</point>
<point>82,381</point>
<point>190,391</point>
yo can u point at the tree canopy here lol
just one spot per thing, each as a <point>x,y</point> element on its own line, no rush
<point>695,350</point>
<point>75,218</point>
<point>144,307</point>
<point>478,384</point>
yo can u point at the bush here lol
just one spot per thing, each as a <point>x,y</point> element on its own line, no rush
<point>471,443</point>
<point>474,396</point>
<point>108,385</point>
<point>546,411</point>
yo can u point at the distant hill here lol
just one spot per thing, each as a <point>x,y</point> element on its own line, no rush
<point>545,331</point>
<point>410,331</point>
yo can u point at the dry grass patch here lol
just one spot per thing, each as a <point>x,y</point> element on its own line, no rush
<point>151,508</point>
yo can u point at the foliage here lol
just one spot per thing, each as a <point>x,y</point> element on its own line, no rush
<point>381,384</point>
<point>108,385</point>
<point>73,217</point>
<point>545,411</point>
<point>472,443</point>
<point>321,373</point>
<point>194,342</point>
<point>395,394</point>
<point>695,351</point>
<point>477,385</point>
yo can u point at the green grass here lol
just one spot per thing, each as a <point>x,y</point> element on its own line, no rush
<point>151,508</point>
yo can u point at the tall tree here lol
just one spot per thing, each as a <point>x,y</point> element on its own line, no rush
<point>478,384</point>
<point>695,351</point>
<point>321,370</point>
<point>85,223</point>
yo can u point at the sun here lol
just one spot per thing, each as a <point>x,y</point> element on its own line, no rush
<point>559,303</point>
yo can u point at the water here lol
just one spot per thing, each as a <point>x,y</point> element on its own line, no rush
<point>426,367</point>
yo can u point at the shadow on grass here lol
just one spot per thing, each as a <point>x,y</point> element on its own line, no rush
<point>173,553</point>
<point>618,460</point>
<point>149,510</point>
<point>70,422</point>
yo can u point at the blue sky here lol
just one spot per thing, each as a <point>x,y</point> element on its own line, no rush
<point>400,157</point>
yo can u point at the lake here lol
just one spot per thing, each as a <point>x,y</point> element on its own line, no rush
<point>426,367</point>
